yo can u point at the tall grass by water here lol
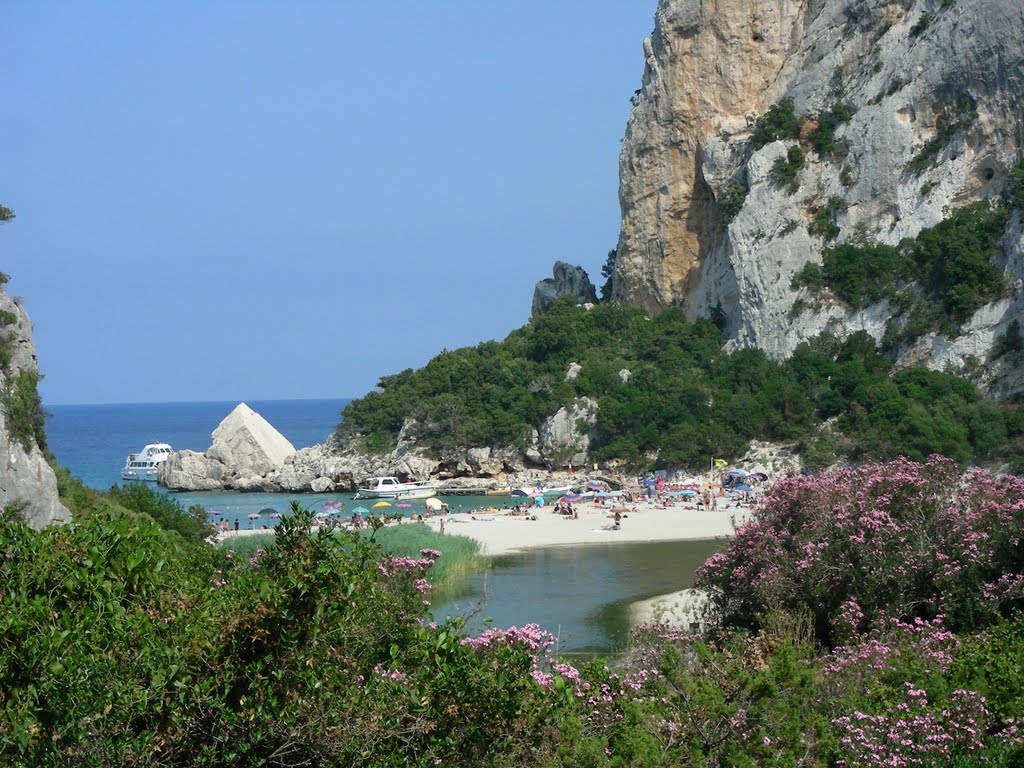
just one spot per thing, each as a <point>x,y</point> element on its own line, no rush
<point>460,556</point>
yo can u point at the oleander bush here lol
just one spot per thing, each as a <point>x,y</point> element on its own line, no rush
<point>860,547</point>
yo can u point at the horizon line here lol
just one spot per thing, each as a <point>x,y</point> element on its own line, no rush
<point>200,402</point>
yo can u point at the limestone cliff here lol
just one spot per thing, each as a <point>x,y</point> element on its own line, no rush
<point>26,479</point>
<point>938,79</point>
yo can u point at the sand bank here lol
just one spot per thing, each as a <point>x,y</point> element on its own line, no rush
<point>501,534</point>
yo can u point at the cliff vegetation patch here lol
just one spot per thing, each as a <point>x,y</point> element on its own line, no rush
<point>935,281</point>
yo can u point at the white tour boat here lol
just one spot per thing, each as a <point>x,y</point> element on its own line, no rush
<point>142,465</point>
<point>390,488</point>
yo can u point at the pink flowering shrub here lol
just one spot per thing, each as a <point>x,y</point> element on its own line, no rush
<point>892,540</point>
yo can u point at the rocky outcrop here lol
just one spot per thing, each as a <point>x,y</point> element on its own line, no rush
<point>567,281</point>
<point>707,228</point>
<point>564,438</point>
<point>245,455</point>
<point>27,481</point>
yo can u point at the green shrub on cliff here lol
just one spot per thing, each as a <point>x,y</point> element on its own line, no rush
<point>779,122</point>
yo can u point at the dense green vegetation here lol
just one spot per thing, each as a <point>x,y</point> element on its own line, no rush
<point>23,411</point>
<point>856,606</point>
<point>785,170</point>
<point>732,197</point>
<point>686,399</point>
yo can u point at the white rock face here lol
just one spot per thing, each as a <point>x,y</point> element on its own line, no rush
<point>565,437</point>
<point>711,70</point>
<point>247,454</point>
<point>244,440</point>
<point>26,479</point>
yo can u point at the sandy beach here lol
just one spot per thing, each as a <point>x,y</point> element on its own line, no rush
<point>500,534</point>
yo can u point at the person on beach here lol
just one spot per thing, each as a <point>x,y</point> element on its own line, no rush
<point>618,520</point>
<point>442,524</point>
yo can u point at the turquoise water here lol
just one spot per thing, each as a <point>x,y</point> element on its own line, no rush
<point>581,594</point>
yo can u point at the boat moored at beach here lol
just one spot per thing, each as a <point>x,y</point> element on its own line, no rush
<point>391,488</point>
<point>143,465</point>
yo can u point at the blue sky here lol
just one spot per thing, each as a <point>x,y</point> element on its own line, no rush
<point>272,200</point>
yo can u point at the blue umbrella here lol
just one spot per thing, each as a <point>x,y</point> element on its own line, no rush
<point>742,488</point>
<point>650,482</point>
<point>519,492</point>
<point>687,492</point>
<point>738,472</point>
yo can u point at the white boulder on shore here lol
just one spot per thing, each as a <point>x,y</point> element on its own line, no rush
<point>245,450</point>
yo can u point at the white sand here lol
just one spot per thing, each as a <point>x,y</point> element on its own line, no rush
<point>500,534</point>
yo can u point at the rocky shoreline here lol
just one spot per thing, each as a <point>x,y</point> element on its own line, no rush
<point>249,455</point>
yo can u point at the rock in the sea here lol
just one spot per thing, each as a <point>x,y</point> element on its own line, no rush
<point>568,281</point>
<point>244,440</point>
<point>246,452</point>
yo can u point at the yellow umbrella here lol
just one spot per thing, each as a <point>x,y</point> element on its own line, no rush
<point>380,504</point>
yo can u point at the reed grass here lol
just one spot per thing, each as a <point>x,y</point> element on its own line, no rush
<point>460,556</point>
<point>246,546</point>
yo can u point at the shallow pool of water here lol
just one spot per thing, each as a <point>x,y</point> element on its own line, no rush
<point>581,594</point>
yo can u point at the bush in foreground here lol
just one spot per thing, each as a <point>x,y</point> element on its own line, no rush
<point>858,547</point>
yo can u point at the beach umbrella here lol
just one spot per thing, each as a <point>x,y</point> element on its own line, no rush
<point>571,497</point>
<point>254,516</point>
<point>332,504</point>
<point>759,476</point>
<point>519,492</point>
<point>268,511</point>
<point>737,472</point>
<point>363,510</point>
<point>595,486</point>
<point>650,483</point>
<point>687,492</point>
<point>731,495</point>
<point>381,504</point>
<point>742,488</point>
<point>404,505</point>
<point>433,503</point>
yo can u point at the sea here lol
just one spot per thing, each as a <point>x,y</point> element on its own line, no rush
<point>92,442</point>
<point>582,594</point>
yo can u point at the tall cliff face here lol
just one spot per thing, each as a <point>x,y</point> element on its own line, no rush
<point>940,80</point>
<point>26,479</point>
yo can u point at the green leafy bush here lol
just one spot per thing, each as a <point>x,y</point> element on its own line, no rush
<point>863,274</point>
<point>24,416</point>
<point>785,170</point>
<point>731,198</point>
<point>822,138</point>
<point>779,122</point>
<point>955,258</point>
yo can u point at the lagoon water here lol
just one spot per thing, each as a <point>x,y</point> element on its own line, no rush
<point>580,594</point>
